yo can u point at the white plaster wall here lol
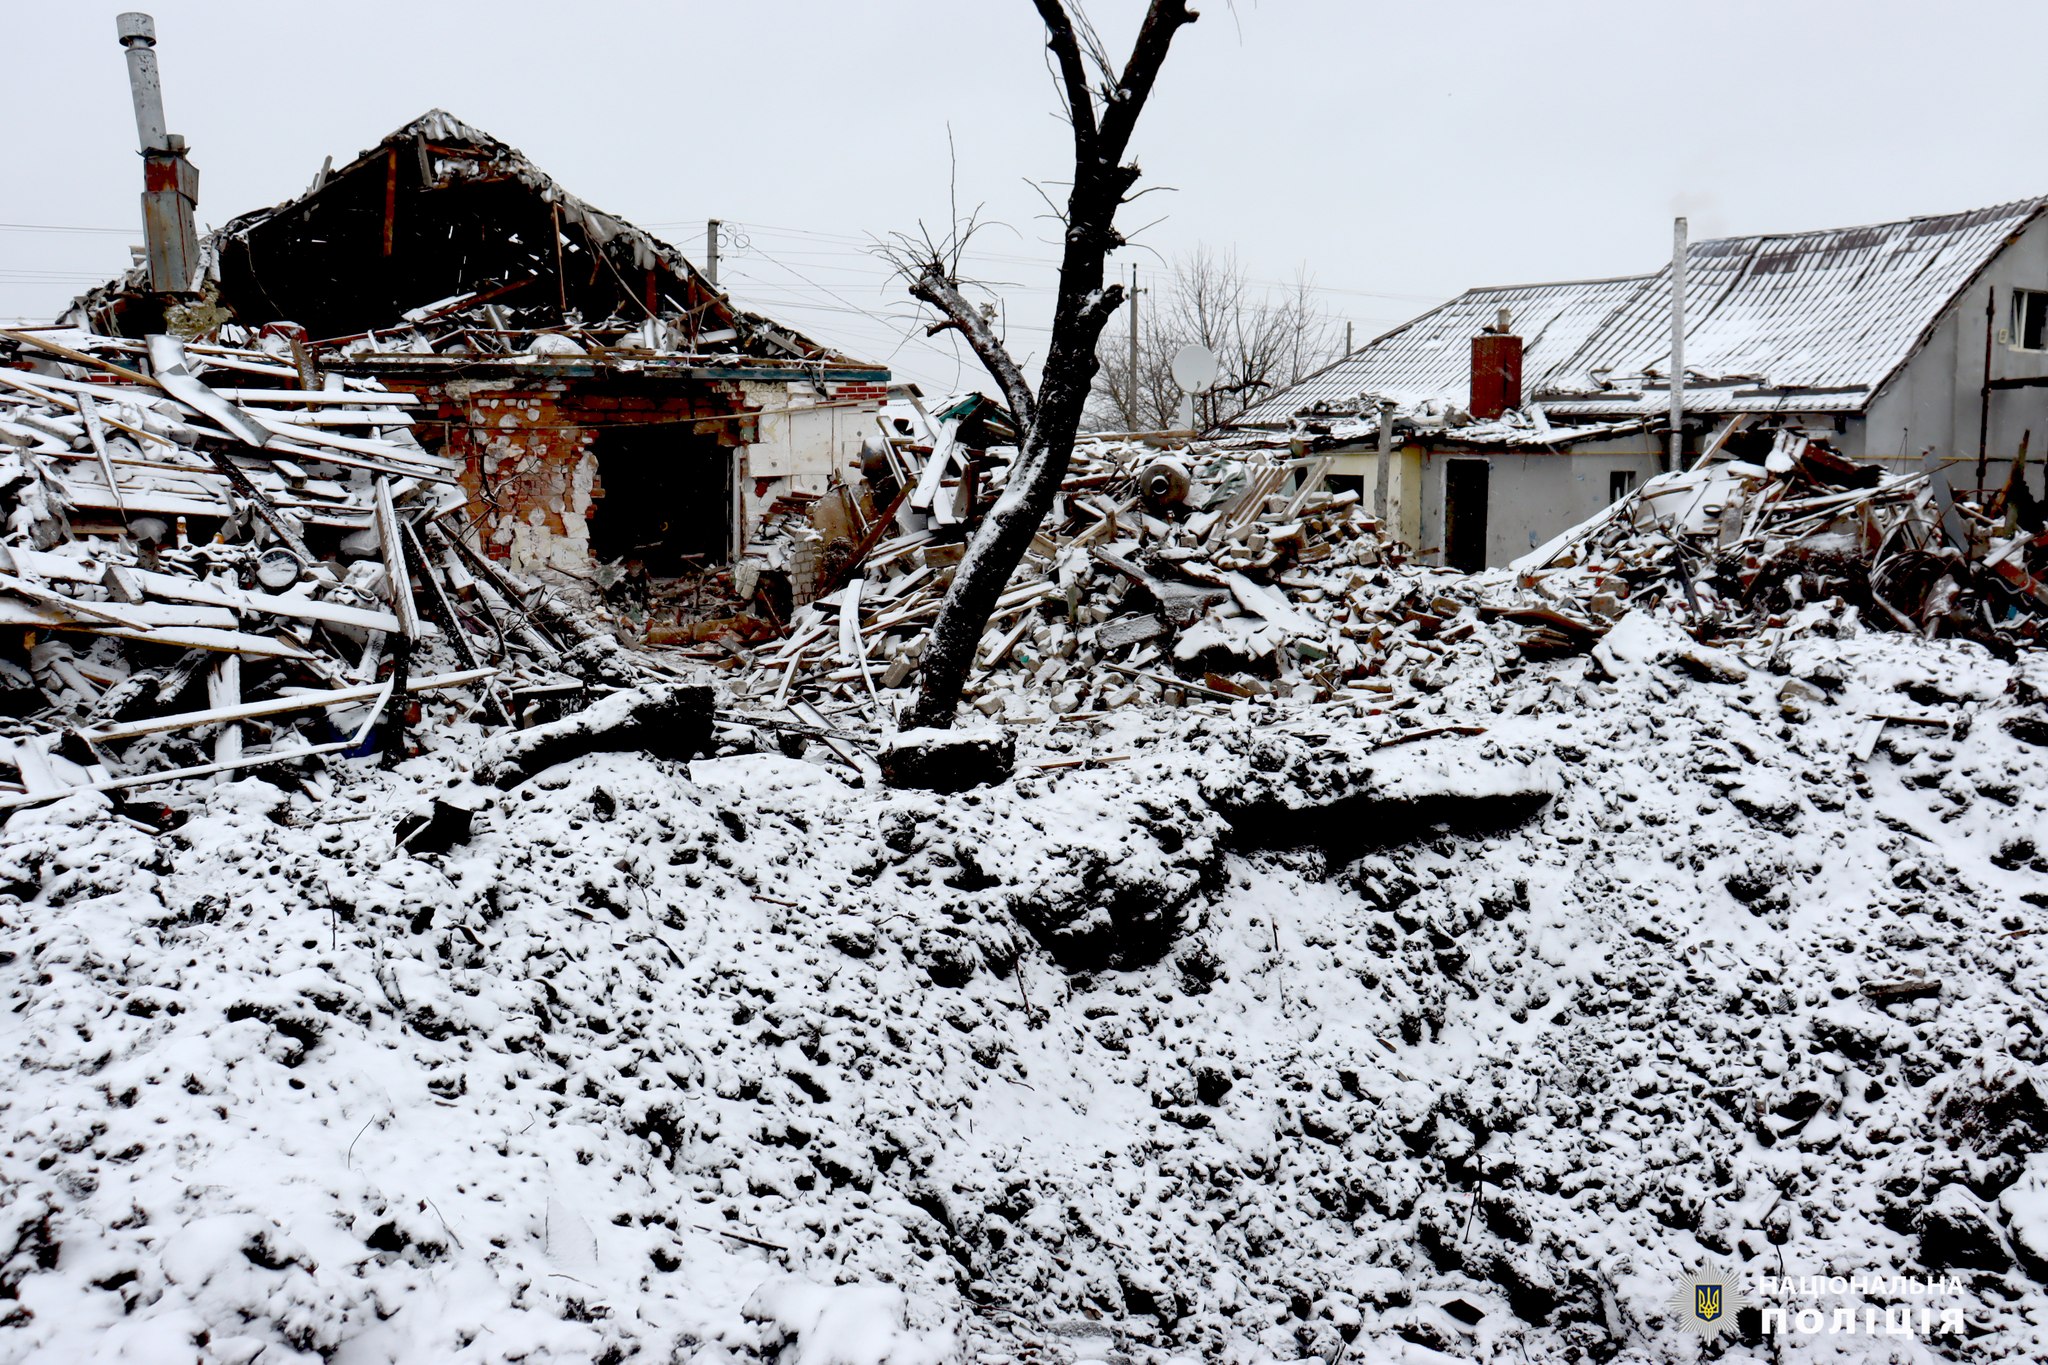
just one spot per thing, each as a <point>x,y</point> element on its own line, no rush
<point>803,441</point>
<point>1531,497</point>
<point>1934,399</point>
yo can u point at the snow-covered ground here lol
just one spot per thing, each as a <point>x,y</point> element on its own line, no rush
<point>727,1060</point>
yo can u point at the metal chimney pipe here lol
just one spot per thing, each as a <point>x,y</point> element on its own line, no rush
<point>1383,467</point>
<point>1677,344</point>
<point>137,32</point>
<point>170,182</point>
<point>711,251</point>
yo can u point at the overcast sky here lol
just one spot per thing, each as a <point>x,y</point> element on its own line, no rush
<point>1397,153</point>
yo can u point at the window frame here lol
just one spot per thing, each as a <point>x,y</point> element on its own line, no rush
<point>2021,298</point>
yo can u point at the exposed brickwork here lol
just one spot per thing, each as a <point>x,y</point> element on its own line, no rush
<point>526,448</point>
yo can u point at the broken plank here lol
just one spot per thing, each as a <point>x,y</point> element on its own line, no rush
<point>933,476</point>
<point>97,611</point>
<point>363,417</point>
<point>395,570</point>
<point>96,432</point>
<point>275,425</point>
<point>321,397</point>
<point>173,376</point>
<point>176,589</point>
<point>810,715</point>
<point>224,691</point>
<point>275,706</point>
<point>851,645</point>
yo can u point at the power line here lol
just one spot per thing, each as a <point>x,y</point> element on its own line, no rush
<point>57,227</point>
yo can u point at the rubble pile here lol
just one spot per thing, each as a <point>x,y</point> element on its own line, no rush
<point>1206,1055</point>
<point>1208,574</point>
<point>1740,545</point>
<point>216,558</point>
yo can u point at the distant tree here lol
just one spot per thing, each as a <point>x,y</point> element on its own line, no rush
<point>1103,103</point>
<point>1264,339</point>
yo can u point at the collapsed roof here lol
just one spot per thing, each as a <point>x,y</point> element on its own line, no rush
<point>442,223</point>
<point>1808,321</point>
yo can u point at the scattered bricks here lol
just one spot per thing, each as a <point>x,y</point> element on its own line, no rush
<point>949,760</point>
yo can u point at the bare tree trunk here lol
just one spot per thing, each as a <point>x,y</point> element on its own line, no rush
<point>1048,419</point>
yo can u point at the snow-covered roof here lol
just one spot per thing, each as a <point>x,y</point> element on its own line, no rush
<point>1830,312</point>
<point>1431,357</point>
<point>1807,321</point>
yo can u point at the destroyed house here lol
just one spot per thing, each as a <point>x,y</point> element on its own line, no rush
<point>1518,411</point>
<point>607,402</point>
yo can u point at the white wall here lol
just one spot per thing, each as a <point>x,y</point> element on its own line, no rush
<point>1933,401</point>
<point>803,441</point>
<point>1532,496</point>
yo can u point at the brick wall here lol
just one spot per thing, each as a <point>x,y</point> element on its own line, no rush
<point>527,450</point>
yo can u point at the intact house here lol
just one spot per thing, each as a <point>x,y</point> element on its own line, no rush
<point>1519,411</point>
<point>608,402</point>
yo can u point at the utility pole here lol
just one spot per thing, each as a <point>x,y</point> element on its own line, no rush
<point>1984,395</point>
<point>170,182</point>
<point>1677,343</point>
<point>711,251</point>
<point>1131,361</point>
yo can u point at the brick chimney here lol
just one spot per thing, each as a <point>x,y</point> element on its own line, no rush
<point>1496,370</point>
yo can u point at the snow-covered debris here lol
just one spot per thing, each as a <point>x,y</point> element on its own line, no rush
<point>1439,966</point>
<point>211,573</point>
<point>1745,544</point>
<point>949,760</point>
<point>727,1059</point>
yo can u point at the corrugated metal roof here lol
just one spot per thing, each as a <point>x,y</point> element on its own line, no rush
<point>1431,357</point>
<point>1836,310</point>
<point>1810,321</point>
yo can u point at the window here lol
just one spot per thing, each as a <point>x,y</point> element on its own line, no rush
<point>1620,483</point>
<point>2030,319</point>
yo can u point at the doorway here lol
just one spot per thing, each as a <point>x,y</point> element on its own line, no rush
<point>1465,491</point>
<point>665,499</point>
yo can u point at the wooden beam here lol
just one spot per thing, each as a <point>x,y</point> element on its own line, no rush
<point>390,540</point>
<point>443,612</point>
<point>390,198</point>
<point>274,706</point>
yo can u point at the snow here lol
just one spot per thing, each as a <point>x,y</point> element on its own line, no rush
<point>1060,1069</point>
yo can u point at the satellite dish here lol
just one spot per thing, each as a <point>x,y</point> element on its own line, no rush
<point>1194,368</point>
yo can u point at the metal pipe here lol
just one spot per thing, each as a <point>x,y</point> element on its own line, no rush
<point>1131,361</point>
<point>170,182</point>
<point>137,32</point>
<point>1386,460</point>
<point>1677,457</point>
<point>1984,394</point>
<point>711,251</point>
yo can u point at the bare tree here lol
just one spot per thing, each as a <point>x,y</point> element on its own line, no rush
<point>1263,340</point>
<point>1103,113</point>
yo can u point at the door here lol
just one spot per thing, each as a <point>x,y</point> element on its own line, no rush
<point>1465,514</point>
